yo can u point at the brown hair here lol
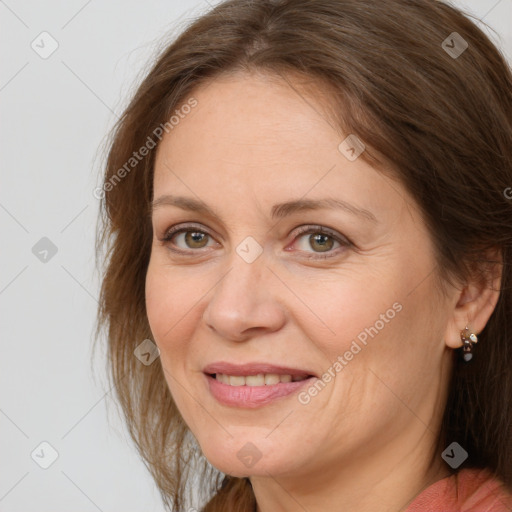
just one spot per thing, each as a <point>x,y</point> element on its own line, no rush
<point>443,123</point>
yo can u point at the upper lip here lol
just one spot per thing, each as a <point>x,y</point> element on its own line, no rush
<point>254,369</point>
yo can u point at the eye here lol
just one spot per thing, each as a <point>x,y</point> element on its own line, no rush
<point>191,238</point>
<point>322,240</point>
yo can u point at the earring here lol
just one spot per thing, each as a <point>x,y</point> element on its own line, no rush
<point>468,339</point>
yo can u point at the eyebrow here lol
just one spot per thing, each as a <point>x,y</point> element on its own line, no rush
<point>278,211</point>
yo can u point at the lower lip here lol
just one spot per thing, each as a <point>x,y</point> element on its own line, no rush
<point>252,396</point>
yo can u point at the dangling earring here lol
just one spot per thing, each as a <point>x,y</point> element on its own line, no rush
<point>468,339</point>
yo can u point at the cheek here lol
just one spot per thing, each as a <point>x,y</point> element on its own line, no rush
<point>172,317</point>
<point>350,305</point>
<point>388,348</point>
<point>377,318</point>
<point>159,302</point>
<point>170,309</point>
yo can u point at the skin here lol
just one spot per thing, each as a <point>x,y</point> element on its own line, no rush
<point>369,438</point>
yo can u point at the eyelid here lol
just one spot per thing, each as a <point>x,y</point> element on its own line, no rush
<point>169,232</point>
<point>300,230</point>
<point>316,228</point>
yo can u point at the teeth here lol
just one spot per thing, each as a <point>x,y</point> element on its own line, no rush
<point>235,380</point>
<point>271,378</point>
<point>255,380</point>
<point>267,379</point>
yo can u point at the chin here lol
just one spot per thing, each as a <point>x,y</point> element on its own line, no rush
<point>241,457</point>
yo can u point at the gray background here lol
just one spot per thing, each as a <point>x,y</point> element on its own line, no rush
<point>55,114</point>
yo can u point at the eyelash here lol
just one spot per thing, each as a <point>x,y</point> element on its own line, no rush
<point>303,230</point>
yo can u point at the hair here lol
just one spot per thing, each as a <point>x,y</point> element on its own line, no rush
<point>443,124</point>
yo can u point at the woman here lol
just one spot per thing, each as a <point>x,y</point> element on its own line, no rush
<point>308,230</point>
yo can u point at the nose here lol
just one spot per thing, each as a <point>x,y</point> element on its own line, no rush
<point>245,302</point>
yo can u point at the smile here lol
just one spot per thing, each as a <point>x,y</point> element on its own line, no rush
<point>262,379</point>
<point>253,391</point>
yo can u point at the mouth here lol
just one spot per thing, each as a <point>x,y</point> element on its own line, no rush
<point>255,371</point>
<point>260,379</point>
<point>253,385</point>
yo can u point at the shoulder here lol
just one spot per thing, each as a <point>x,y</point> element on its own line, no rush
<point>469,490</point>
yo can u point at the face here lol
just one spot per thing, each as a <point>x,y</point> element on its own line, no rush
<point>340,293</point>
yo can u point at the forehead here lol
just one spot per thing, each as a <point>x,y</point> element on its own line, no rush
<point>253,116</point>
<point>256,139</point>
<point>251,123</point>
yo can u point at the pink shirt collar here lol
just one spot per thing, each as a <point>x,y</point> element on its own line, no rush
<point>469,490</point>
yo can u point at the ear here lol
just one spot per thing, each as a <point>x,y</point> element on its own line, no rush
<point>475,301</point>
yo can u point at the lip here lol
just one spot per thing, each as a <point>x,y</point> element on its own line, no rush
<point>254,369</point>
<point>250,397</point>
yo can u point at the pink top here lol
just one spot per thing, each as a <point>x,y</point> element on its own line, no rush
<point>469,490</point>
